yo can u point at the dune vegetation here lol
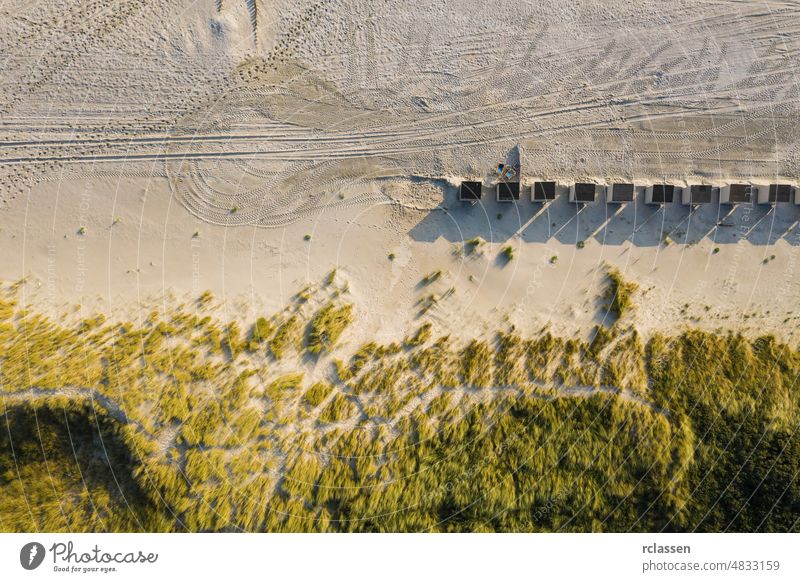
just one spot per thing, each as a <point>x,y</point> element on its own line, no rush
<point>188,423</point>
<point>619,293</point>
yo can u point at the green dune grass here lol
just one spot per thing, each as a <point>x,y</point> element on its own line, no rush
<point>187,423</point>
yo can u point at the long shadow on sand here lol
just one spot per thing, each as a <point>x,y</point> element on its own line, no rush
<point>642,224</point>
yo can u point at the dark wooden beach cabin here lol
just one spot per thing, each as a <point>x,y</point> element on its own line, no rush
<point>469,191</point>
<point>774,193</point>
<point>582,193</point>
<point>543,191</point>
<point>659,194</point>
<point>736,194</point>
<point>507,191</point>
<point>620,193</point>
<point>696,194</point>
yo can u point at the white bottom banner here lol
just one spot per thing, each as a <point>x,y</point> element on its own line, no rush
<point>399,556</point>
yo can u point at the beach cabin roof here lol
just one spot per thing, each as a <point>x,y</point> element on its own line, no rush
<point>621,192</point>
<point>469,191</point>
<point>544,191</point>
<point>738,193</point>
<point>697,194</point>
<point>663,193</point>
<point>507,191</point>
<point>780,193</point>
<point>584,192</point>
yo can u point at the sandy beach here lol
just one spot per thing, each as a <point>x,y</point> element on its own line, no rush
<point>122,247</point>
<point>200,152</point>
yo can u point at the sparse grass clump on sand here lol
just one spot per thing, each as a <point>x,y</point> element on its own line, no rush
<point>262,331</point>
<point>619,293</point>
<point>477,358</point>
<point>508,253</point>
<point>288,333</point>
<point>422,335</point>
<point>338,410</point>
<point>431,278</point>
<point>285,385</point>
<point>317,393</point>
<point>205,299</point>
<point>472,245</point>
<point>7,307</point>
<point>427,303</point>
<point>327,326</point>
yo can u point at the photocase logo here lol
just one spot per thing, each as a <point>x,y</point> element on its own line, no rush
<point>31,555</point>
